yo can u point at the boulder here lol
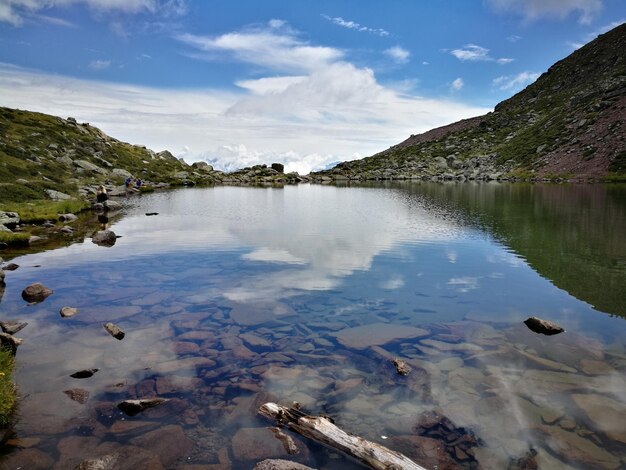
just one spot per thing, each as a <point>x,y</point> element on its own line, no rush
<point>181,175</point>
<point>67,217</point>
<point>84,374</point>
<point>203,166</point>
<point>88,166</point>
<point>67,312</point>
<point>10,342</point>
<point>110,205</point>
<point>12,326</point>
<point>11,267</point>
<point>120,173</point>
<point>57,195</point>
<point>166,155</point>
<point>104,238</point>
<point>544,327</point>
<point>114,330</point>
<point>36,293</point>
<point>9,219</point>
<point>279,167</point>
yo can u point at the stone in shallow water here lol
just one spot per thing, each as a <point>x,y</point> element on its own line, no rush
<point>31,459</point>
<point>592,367</point>
<point>376,334</point>
<point>133,407</point>
<point>36,293</point>
<point>84,374</point>
<point>78,395</point>
<point>571,447</point>
<point>68,312</point>
<point>279,464</point>
<point>114,330</point>
<point>604,414</point>
<point>545,327</point>
<point>169,443</point>
<point>12,326</point>
<point>258,444</point>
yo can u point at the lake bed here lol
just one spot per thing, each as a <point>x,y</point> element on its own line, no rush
<point>231,297</point>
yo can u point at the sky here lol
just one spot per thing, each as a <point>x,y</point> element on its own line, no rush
<point>306,83</point>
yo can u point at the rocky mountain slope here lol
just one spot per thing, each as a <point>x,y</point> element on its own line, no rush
<point>570,123</point>
<point>42,156</point>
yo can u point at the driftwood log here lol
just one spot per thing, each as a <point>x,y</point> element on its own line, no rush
<point>321,430</point>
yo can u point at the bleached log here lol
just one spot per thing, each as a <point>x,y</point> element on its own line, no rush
<point>321,430</point>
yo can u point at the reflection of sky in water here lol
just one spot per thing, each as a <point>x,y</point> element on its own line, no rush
<point>304,256</point>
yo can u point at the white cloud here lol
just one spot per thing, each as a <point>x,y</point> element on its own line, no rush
<point>265,85</point>
<point>270,255</point>
<point>329,111</point>
<point>15,11</point>
<point>504,60</point>
<point>56,21</point>
<point>464,284</point>
<point>339,21</point>
<point>338,113</point>
<point>471,52</point>
<point>474,53</point>
<point>513,38</point>
<point>519,81</point>
<point>457,84</point>
<point>99,64</point>
<point>536,9</point>
<point>398,54</point>
<point>395,282</point>
<point>274,49</point>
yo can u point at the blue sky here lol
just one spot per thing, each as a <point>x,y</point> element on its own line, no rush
<point>307,83</point>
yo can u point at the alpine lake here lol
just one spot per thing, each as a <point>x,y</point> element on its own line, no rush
<point>232,297</point>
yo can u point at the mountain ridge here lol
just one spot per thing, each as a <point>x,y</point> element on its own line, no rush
<point>569,123</point>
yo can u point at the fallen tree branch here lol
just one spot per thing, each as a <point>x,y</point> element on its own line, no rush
<point>321,430</point>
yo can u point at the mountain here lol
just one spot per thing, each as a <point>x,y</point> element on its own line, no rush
<point>42,154</point>
<point>570,123</point>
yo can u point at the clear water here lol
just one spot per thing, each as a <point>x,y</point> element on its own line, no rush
<point>232,297</point>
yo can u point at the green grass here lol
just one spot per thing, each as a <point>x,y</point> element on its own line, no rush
<point>7,388</point>
<point>14,238</point>
<point>42,210</point>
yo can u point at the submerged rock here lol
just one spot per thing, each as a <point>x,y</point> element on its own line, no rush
<point>126,457</point>
<point>544,327</point>
<point>78,395</point>
<point>402,368</point>
<point>132,407</point>
<point>36,293</point>
<point>376,334</point>
<point>279,464</point>
<point>11,267</point>
<point>114,330</point>
<point>12,326</point>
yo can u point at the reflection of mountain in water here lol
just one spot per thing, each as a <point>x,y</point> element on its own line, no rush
<point>573,235</point>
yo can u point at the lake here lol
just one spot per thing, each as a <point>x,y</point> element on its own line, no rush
<point>232,297</point>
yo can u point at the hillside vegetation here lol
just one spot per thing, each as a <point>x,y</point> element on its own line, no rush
<point>570,123</point>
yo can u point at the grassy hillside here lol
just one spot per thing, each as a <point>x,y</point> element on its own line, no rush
<point>570,123</point>
<point>39,152</point>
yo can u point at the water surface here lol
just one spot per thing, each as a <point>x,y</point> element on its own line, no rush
<point>232,297</point>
